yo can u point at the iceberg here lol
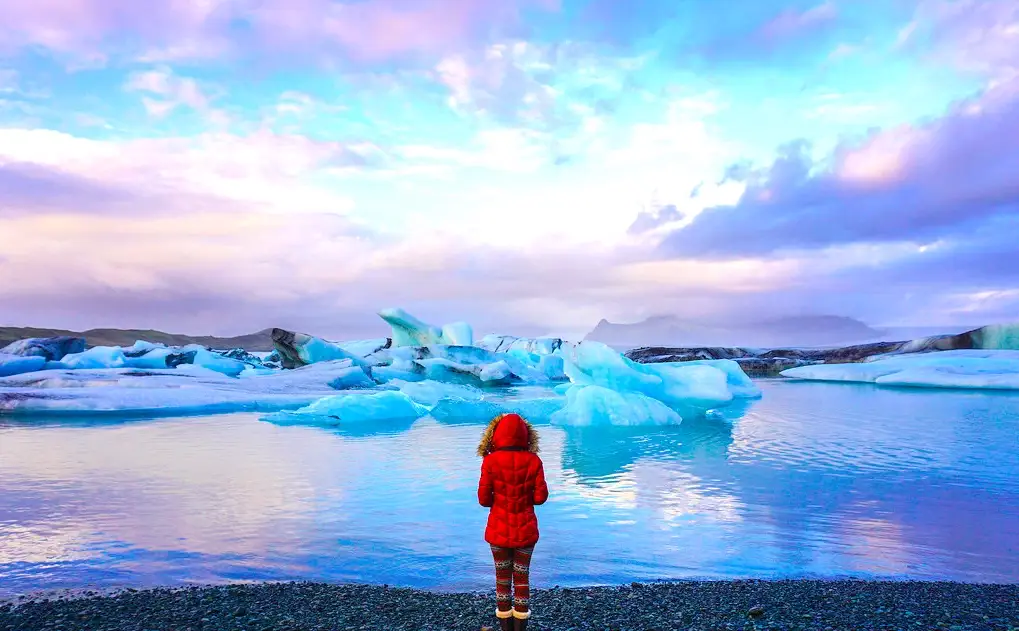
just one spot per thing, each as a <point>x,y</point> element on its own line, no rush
<point>454,410</point>
<point>214,361</point>
<point>739,383</point>
<point>430,392</point>
<point>17,364</point>
<point>49,348</point>
<point>600,406</point>
<point>166,391</point>
<point>388,405</point>
<point>968,368</point>
<point>409,331</point>
<point>298,349</point>
<point>508,343</point>
<point>96,357</point>
<point>681,384</point>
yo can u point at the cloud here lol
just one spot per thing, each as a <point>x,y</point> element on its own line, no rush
<point>361,32</point>
<point>912,183</point>
<point>264,170</point>
<point>980,36</point>
<point>553,87</point>
<point>174,92</point>
<point>791,30</point>
<point>27,187</point>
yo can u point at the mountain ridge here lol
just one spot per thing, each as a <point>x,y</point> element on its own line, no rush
<point>260,341</point>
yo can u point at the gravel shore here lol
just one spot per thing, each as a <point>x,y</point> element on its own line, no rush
<point>693,606</point>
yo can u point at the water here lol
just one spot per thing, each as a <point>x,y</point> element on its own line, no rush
<point>813,480</point>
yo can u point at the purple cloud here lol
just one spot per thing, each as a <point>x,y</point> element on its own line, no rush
<point>27,187</point>
<point>907,184</point>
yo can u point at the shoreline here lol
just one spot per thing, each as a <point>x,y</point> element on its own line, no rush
<point>799,604</point>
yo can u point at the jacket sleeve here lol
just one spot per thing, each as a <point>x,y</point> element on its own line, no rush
<point>540,488</point>
<point>486,495</point>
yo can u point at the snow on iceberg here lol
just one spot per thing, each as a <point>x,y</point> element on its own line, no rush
<point>978,369</point>
<point>409,331</point>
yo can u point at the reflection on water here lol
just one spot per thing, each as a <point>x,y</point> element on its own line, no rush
<point>814,479</point>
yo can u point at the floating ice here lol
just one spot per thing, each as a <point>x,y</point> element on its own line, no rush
<point>598,406</point>
<point>979,369</point>
<point>96,357</point>
<point>141,347</point>
<point>49,348</point>
<point>409,331</point>
<point>430,392</point>
<point>214,361</point>
<point>388,405</point>
<point>452,410</point>
<point>686,388</point>
<point>16,364</point>
<point>507,343</point>
<point>153,359</point>
<point>741,385</point>
<point>298,349</point>
<point>190,390</point>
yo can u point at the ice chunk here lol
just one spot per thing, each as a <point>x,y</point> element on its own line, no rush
<point>298,349</point>
<point>508,343</point>
<point>154,358</point>
<point>352,378</point>
<point>409,331</point>
<point>141,347</point>
<point>364,348</point>
<point>387,405</point>
<point>214,361</point>
<point>597,405</point>
<point>16,364</point>
<point>739,383</point>
<point>458,334</point>
<point>690,389</point>
<point>96,357</point>
<point>979,369</point>
<point>998,336</point>
<point>430,392</point>
<point>49,348</point>
<point>454,410</point>
<point>190,390</point>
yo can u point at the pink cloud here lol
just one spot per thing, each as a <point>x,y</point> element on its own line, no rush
<point>366,31</point>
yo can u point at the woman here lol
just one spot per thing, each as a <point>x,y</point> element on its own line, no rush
<point>512,484</point>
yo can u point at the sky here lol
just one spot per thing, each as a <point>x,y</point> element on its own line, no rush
<point>529,166</point>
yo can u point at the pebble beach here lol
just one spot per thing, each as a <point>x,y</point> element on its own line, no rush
<point>689,606</point>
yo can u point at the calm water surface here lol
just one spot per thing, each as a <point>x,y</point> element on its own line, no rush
<point>813,480</point>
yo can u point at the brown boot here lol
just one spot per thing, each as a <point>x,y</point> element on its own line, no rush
<point>505,619</point>
<point>520,619</point>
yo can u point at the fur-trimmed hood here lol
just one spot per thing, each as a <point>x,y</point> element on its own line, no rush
<point>508,430</point>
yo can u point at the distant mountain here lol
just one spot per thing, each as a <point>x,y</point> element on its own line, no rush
<point>801,331</point>
<point>260,341</point>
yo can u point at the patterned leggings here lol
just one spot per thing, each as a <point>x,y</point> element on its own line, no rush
<point>512,565</point>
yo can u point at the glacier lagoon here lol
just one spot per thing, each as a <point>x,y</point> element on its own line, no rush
<point>813,479</point>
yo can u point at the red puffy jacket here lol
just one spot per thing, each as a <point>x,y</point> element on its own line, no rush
<point>512,482</point>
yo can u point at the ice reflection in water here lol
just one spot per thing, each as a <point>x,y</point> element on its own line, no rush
<point>814,479</point>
